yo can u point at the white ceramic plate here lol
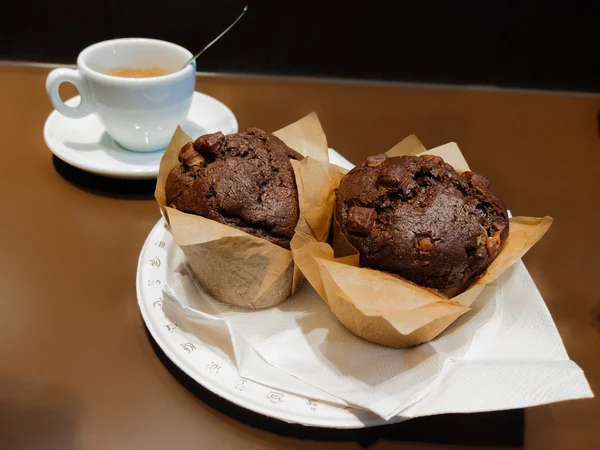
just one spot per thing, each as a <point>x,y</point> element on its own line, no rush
<point>159,256</point>
<point>83,143</point>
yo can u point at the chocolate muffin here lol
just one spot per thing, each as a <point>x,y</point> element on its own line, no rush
<point>243,180</point>
<point>415,217</point>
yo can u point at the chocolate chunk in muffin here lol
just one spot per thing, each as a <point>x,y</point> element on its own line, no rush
<point>243,180</point>
<point>415,217</point>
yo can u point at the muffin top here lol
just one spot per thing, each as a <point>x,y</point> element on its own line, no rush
<point>415,217</point>
<point>244,180</point>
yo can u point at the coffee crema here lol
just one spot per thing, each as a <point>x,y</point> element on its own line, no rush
<point>128,72</point>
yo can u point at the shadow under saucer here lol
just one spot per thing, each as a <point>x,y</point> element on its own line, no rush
<point>126,189</point>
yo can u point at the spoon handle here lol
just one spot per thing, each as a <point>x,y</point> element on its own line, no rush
<point>217,38</point>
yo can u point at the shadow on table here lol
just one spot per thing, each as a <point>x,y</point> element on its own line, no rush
<point>595,313</point>
<point>498,429</point>
<point>105,186</point>
<point>38,415</point>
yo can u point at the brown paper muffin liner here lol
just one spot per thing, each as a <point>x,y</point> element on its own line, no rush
<point>236,267</point>
<point>388,310</point>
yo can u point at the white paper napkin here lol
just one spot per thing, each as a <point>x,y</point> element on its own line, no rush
<point>505,353</point>
<point>198,314</point>
<point>516,360</point>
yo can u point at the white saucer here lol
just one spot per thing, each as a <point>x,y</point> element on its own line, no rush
<point>83,143</point>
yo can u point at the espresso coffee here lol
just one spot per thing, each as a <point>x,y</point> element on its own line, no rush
<point>129,72</point>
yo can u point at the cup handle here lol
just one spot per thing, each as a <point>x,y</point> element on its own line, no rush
<point>54,80</point>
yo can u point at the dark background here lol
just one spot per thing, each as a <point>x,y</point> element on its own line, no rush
<point>543,45</point>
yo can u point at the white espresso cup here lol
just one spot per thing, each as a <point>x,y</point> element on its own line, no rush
<point>140,114</point>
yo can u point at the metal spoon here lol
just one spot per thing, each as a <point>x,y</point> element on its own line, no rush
<point>217,38</point>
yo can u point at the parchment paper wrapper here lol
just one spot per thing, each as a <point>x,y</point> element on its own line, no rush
<point>384,309</point>
<point>236,267</point>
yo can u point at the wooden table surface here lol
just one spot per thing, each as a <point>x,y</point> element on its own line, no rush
<point>77,370</point>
